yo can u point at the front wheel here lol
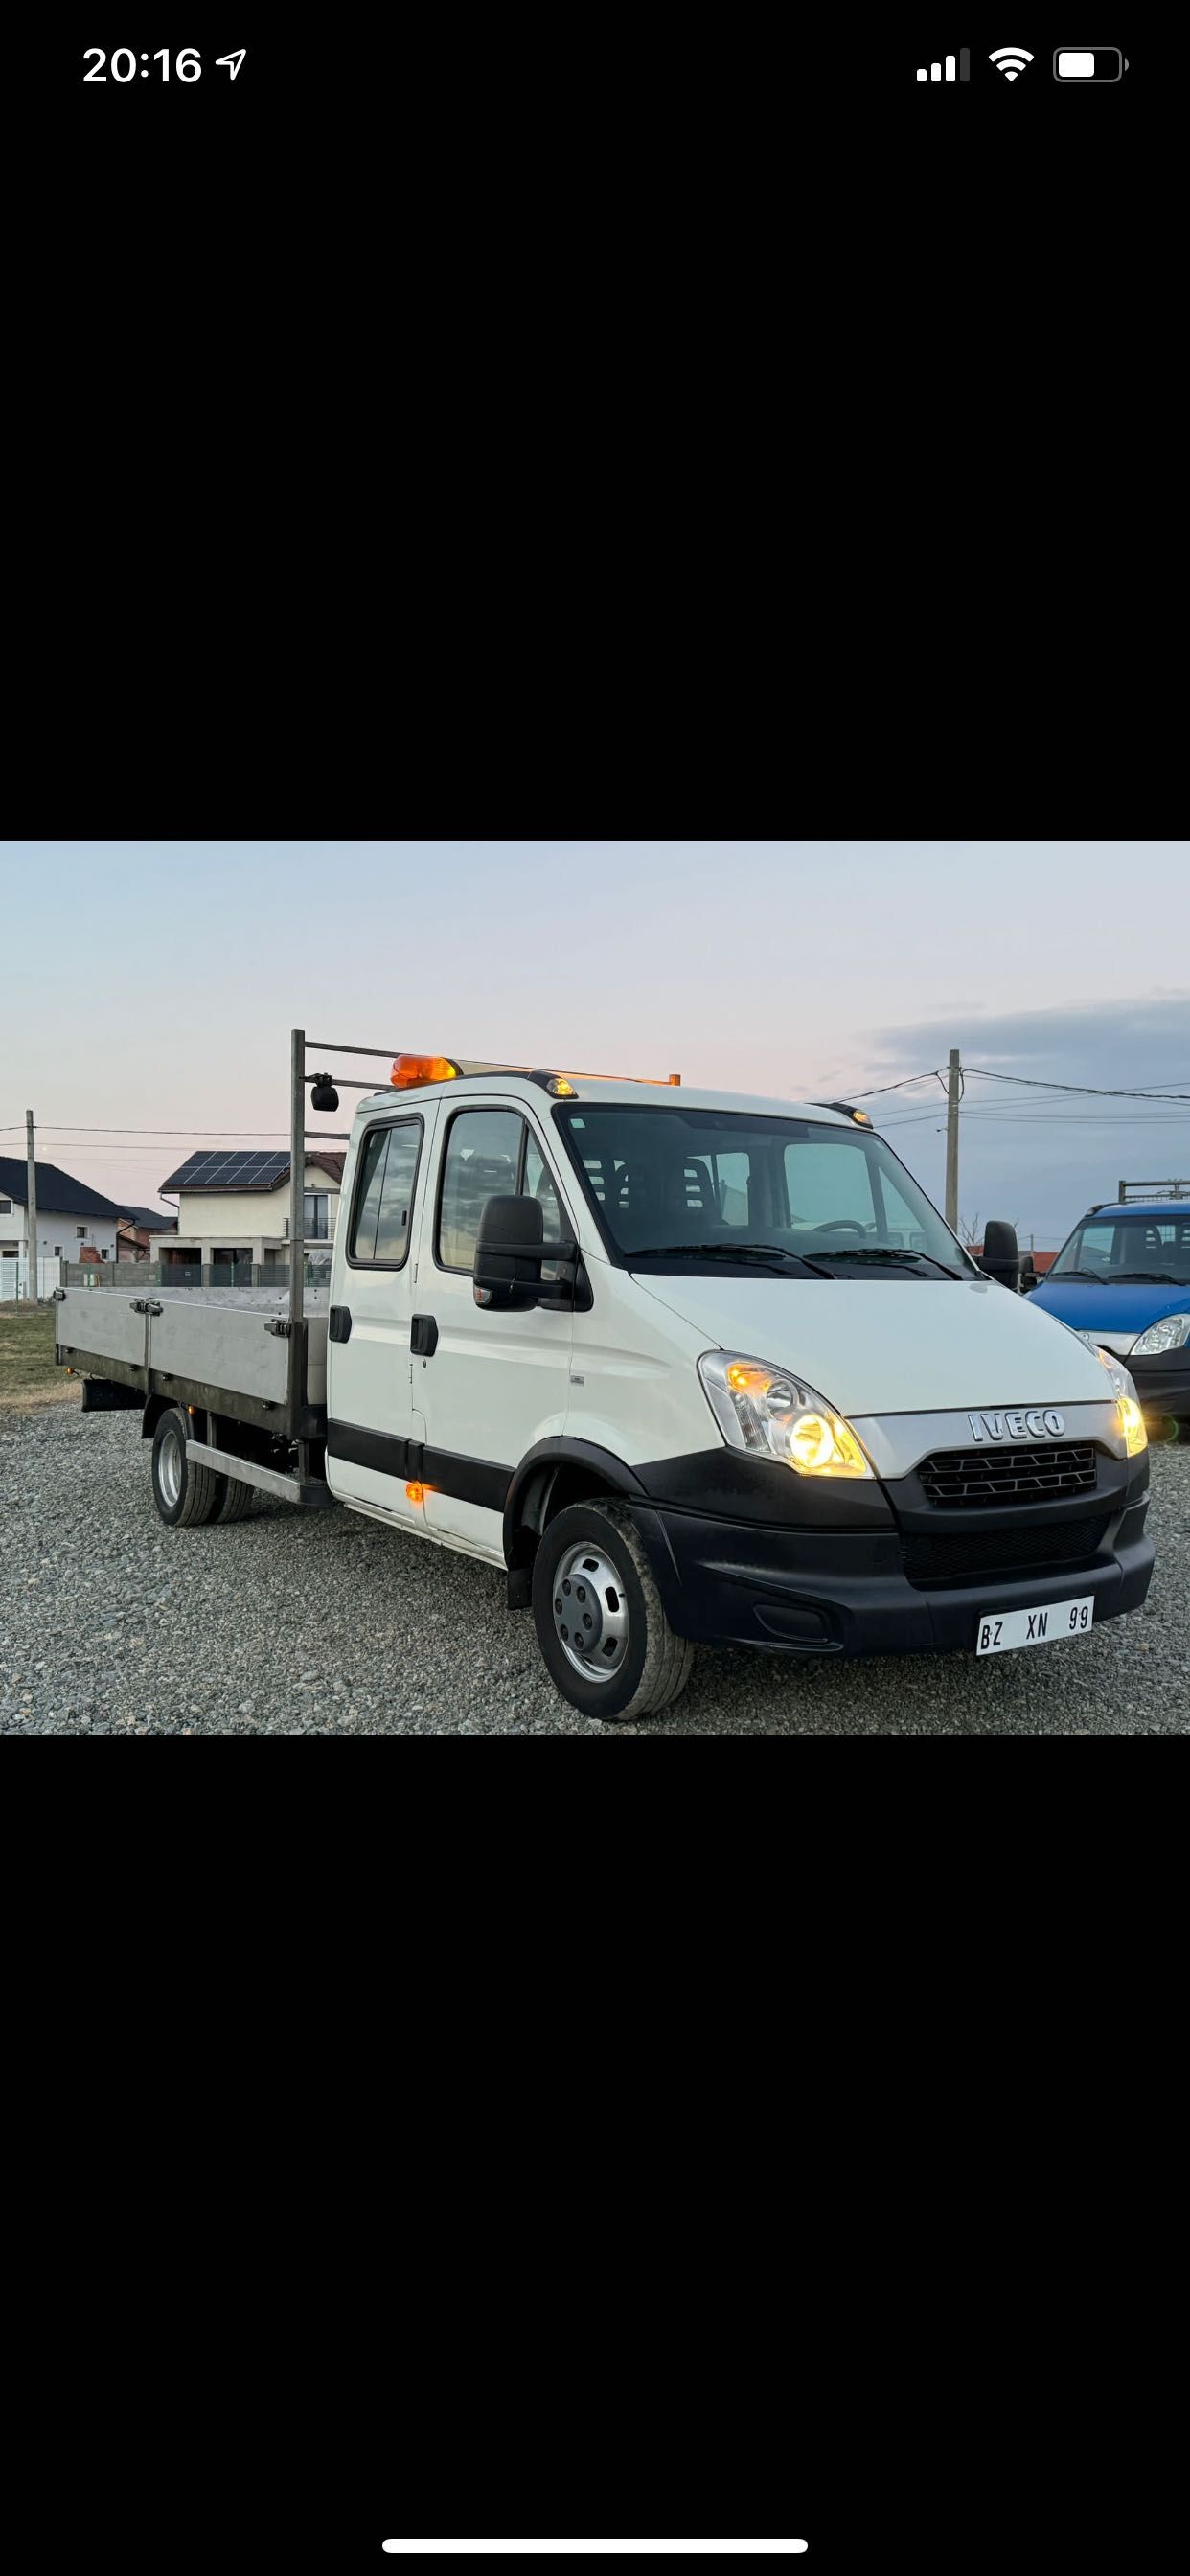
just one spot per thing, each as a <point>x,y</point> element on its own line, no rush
<point>600,1623</point>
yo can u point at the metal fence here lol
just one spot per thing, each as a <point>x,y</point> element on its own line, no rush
<point>133,1278</point>
<point>14,1277</point>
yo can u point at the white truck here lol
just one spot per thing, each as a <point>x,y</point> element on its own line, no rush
<point>686,1367</point>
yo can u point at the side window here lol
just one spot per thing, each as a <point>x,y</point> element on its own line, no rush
<point>538,1184</point>
<point>482,1160</point>
<point>362,1246</point>
<point>396,1193</point>
<point>384,1193</point>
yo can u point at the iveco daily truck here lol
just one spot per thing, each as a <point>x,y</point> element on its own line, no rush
<point>687,1367</point>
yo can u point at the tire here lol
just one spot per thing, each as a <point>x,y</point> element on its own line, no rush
<point>185,1495</point>
<point>237,1499</point>
<point>647,1667</point>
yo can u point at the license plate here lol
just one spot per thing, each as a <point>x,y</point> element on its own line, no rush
<point>998,1636</point>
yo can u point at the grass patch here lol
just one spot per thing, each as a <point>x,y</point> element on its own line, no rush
<point>28,1375</point>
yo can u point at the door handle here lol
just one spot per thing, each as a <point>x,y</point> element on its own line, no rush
<point>423,1336</point>
<point>339,1326</point>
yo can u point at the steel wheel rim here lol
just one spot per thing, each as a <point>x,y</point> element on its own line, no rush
<point>590,1612</point>
<point>169,1466</point>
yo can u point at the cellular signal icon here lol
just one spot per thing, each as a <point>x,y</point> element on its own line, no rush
<point>1010,59</point>
<point>934,71</point>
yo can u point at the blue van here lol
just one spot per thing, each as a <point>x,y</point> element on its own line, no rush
<point>1123,1277</point>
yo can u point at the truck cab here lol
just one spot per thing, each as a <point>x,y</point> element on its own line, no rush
<point>691,1367</point>
<point>1122,1277</point>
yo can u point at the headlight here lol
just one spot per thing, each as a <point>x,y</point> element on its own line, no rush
<point>1168,1335</point>
<point>772,1414</point>
<point>1130,1421</point>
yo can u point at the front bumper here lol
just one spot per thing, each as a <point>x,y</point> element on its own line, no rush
<point>1162,1383</point>
<point>844,1592</point>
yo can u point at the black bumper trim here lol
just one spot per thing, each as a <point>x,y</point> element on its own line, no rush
<point>831,1592</point>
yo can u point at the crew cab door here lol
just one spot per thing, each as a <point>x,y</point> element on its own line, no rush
<point>491,1383</point>
<point>374,1429</point>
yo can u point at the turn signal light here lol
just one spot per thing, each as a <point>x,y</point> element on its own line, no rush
<point>410,1069</point>
<point>415,1493</point>
<point>1131,1422</point>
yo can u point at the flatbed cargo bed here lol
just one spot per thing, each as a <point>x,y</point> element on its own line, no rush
<point>226,1351</point>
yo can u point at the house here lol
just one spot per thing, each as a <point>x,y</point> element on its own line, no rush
<point>233,1209</point>
<point>138,1231</point>
<point>71,1219</point>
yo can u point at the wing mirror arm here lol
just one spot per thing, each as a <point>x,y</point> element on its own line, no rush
<point>1001,1259</point>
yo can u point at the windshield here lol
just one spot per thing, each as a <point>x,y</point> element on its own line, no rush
<point>686,1187</point>
<point>1115,1245</point>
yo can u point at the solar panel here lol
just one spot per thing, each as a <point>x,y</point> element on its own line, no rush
<point>216,1169</point>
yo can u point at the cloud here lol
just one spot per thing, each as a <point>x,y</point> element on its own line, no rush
<point>1144,1038</point>
<point>1041,1158</point>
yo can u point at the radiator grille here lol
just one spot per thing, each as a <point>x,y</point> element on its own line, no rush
<point>963,1556</point>
<point>958,1476</point>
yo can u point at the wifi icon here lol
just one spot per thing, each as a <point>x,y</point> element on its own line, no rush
<point>1010,59</point>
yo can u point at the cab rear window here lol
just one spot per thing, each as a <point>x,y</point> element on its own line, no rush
<point>384,1194</point>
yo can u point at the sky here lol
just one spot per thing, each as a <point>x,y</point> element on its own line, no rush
<point>153,986</point>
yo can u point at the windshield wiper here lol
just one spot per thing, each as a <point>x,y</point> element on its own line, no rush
<point>1095,1276</point>
<point>720,1251</point>
<point>757,1252</point>
<point>890,1252</point>
<point>1164,1278</point>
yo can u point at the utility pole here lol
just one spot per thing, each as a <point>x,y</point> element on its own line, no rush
<point>31,1196</point>
<point>954,1086</point>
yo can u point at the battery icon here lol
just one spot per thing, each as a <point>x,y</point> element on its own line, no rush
<point>1089,63</point>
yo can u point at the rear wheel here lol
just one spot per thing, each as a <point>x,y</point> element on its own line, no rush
<point>237,1499</point>
<point>185,1494</point>
<point>600,1623</point>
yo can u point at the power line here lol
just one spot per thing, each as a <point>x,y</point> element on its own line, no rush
<point>1035,1112</point>
<point>882,1087</point>
<point>1100,1090</point>
<point>74,1127</point>
<point>1006,1118</point>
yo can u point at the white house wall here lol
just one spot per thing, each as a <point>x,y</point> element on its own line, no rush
<point>59,1234</point>
<point>246,1216</point>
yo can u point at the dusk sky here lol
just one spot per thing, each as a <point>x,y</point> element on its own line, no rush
<point>153,985</point>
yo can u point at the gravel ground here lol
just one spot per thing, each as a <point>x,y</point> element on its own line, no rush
<point>285,1623</point>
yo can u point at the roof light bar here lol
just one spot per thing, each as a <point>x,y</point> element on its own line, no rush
<point>410,1070</point>
<point>845,1110</point>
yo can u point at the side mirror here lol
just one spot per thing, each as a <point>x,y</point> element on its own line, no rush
<point>508,1253</point>
<point>1001,1259</point>
<point>1028,1273</point>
